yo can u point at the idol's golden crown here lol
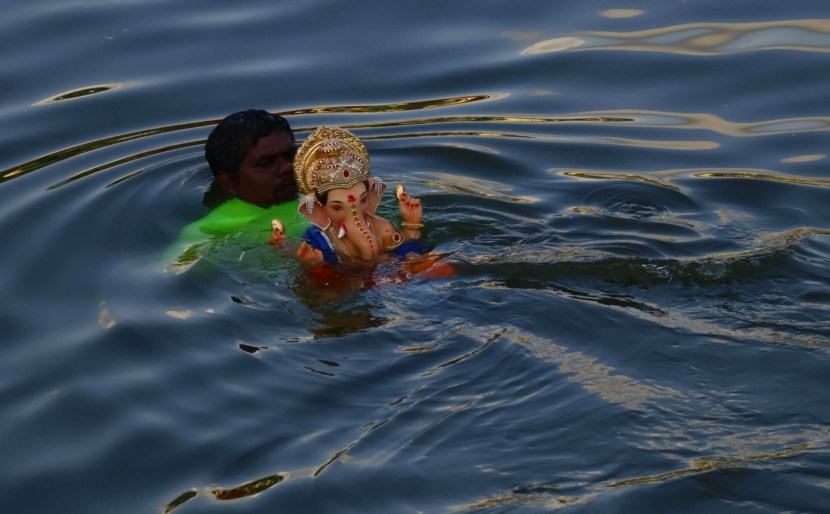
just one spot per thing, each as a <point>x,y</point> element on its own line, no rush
<point>331,158</point>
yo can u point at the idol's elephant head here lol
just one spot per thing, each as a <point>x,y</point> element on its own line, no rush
<point>350,211</point>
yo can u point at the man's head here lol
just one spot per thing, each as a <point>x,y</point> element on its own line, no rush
<point>251,154</point>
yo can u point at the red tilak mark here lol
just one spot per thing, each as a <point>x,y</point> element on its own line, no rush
<point>352,198</point>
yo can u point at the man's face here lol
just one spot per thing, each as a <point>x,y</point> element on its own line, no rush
<point>266,175</point>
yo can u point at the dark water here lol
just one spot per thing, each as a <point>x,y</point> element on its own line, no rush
<point>634,196</point>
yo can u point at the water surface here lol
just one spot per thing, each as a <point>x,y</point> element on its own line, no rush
<point>634,197</point>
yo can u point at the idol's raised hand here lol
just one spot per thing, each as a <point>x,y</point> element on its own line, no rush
<point>410,208</point>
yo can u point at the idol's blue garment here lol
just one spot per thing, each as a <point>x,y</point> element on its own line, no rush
<point>320,241</point>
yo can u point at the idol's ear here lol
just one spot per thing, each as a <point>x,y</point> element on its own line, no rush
<point>311,209</point>
<point>376,189</point>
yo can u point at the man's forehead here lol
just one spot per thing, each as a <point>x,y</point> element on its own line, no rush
<point>275,143</point>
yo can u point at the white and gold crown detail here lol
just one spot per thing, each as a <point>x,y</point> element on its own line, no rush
<point>331,158</point>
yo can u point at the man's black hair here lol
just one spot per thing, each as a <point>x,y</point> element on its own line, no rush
<point>234,136</point>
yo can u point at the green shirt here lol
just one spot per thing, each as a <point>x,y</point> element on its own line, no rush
<point>247,224</point>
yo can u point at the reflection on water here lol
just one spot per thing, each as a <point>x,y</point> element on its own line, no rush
<point>700,39</point>
<point>639,300</point>
<point>107,142</point>
<point>596,377</point>
<point>182,498</point>
<point>662,178</point>
<point>760,175</point>
<point>603,175</point>
<point>632,118</point>
<point>111,141</point>
<point>550,497</point>
<point>686,121</point>
<point>706,465</point>
<point>621,13</point>
<point>249,489</point>
<point>805,158</point>
<point>451,183</point>
<point>395,107</point>
<point>82,92</point>
<point>748,448</point>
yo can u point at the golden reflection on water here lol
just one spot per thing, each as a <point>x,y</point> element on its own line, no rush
<point>638,143</point>
<point>537,499</point>
<point>125,160</point>
<point>248,489</point>
<point>764,176</point>
<point>82,92</point>
<point>686,121</point>
<point>550,497</point>
<point>452,183</point>
<point>705,465</point>
<point>98,144</point>
<point>629,177</point>
<point>559,44</point>
<point>658,144</point>
<point>107,142</point>
<point>180,499</point>
<point>700,38</point>
<point>664,178</point>
<point>92,146</point>
<point>621,13</point>
<point>521,36</point>
<point>805,158</point>
<point>395,107</point>
<point>488,119</point>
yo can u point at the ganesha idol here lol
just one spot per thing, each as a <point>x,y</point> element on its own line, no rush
<point>340,197</point>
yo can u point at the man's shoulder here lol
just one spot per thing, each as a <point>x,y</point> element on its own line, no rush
<point>239,216</point>
<point>244,223</point>
<point>235,214</point>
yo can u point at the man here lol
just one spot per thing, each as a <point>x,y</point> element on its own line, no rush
<point>251,155</point>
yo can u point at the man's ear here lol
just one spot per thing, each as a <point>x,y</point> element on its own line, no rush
<point>228,182</point>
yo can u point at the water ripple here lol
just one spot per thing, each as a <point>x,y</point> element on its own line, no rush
<point>83,92</point>
<point>700,39</point>
<point>766,176</point>
<point>713,123</point>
